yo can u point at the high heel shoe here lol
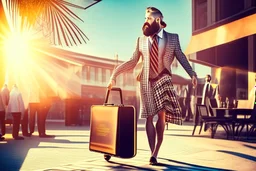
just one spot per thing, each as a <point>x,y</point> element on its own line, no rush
<point>153,161</point>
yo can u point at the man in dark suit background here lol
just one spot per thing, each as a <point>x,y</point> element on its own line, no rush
<point>207,95</point>
<point>207,90</point>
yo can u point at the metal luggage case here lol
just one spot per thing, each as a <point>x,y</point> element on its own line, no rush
<point>113,129</point>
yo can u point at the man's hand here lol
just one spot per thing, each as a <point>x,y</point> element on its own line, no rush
<point>111,84</point>
<point>194,81</point>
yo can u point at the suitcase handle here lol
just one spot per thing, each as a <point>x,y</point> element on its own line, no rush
<point>113,89</point>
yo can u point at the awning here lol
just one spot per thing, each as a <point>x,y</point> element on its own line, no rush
<point>223,34</point>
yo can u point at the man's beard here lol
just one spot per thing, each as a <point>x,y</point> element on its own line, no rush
<point>151,29</point>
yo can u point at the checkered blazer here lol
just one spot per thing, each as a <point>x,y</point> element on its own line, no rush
<point>172,49</point>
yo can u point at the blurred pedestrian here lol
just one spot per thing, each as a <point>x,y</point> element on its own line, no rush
<point>190,92</point>
<point>207,95</point>
<point>207,90</point>
<point>4,100</point>
<point>38,110</point>
<point>16,107</point>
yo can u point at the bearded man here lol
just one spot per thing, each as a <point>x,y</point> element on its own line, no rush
<point>157,48</point>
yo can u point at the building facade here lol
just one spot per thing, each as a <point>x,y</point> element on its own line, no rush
<point>85,83</point>
<point>224,38</point>
<point>83,79</point>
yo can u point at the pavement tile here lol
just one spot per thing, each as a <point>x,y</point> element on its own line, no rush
<point>69,150</point>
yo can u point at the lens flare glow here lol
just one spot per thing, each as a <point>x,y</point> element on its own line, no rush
<point>16,50</point>
<point>29,65</point>
<point>29,59</point>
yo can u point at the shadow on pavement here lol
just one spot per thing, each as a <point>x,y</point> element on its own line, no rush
<point>191,166</point>
<point>14,152</point>
<point>180,130</point>
<point>245,156</point>
<point>73,135</point>
<point>219,137</point>
<point>184,135</point>
<point>249,146</point>
<point>121,166</point>
<point>163,166</point>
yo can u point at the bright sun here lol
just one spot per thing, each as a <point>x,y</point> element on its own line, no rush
<point>18,55</point>
<point>16,48</point>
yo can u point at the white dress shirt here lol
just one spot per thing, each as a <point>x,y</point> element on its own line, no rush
<point>205,90</point>
<point>16,103</point>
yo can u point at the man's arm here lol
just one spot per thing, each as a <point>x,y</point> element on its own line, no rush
<point>182,58</point>
<point>126,66</point>
<point>5,96</point>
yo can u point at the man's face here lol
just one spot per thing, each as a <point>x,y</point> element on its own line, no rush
<point>150,27</point>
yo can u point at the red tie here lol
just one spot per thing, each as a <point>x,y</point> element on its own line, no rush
<point>154,55</point>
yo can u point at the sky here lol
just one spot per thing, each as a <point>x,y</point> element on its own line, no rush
<point>113,26</point>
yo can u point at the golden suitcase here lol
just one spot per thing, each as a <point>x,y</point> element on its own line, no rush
<point>113,129</point>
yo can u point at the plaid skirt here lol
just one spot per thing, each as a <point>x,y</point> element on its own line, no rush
<point>165,98</point>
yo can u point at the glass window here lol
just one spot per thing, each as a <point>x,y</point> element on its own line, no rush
<point>200,14</point>
<point>104,76</point>
<point>228,8</point>
<point>107,74</point>
<point>99,75</point>
<point>120,79</point>
<point>92,74</point>
<point>84,74</point>
<point>129,79</point>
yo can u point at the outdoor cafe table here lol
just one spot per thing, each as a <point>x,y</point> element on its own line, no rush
<point>234,113</point>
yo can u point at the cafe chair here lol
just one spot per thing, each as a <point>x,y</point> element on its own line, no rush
<point>203,118</point>
<point>250,124</point>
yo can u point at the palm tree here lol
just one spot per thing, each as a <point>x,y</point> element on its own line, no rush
<point>54,18</point>
<point>56,15</point>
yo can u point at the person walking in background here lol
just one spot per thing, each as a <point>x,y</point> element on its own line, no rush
<point>45,105</point>
<point>4,100</point>
<point>178,91</point>
<point>33,108</point>
<point>192,93</point>
<point>24,124</point>
<point>16,107</point>
<point>181,91</point>
<point>157,48</point>
<point>207,90</point>
<point>188,102</point>
<point>207,95</point>
<point>38,108</point>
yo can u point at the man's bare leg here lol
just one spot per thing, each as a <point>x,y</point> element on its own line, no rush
<point>160,126</point>
<point>151,133</point>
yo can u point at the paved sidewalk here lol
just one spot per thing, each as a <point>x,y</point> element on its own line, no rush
<point>69,150</point>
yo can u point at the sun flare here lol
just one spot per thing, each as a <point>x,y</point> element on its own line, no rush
<point>16,49</point>
<point>30,58</point>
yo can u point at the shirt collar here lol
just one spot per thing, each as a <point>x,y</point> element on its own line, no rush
<point>159,34</point>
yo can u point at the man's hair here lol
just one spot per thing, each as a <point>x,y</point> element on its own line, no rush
<point>209,77</point>
<point>157,13</point>
<point>154,11</point>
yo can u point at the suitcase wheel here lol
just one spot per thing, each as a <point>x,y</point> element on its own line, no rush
<point>107,157</point>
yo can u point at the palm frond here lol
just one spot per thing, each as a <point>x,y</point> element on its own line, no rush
<point>58,15</point>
